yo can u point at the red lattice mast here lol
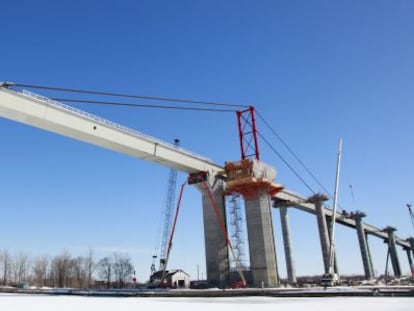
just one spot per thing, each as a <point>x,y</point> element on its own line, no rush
<point>249,145</point>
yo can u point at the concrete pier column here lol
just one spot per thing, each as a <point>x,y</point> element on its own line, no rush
<point>216,251</point>
<point>410,261</point>
<point>363,245</point>
<point>411,240</point>
<point>290,266</point>
<point>335,261</point>
<point>318,200</point>
<point>263,263</point>
<point>410,252</point>
<point>393,251</point>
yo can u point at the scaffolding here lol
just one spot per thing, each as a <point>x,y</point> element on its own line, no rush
<point>237,230</point>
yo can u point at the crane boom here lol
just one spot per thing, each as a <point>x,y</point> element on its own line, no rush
<point>166,219</point>
<point>411,213</point>
<point>168,212</point>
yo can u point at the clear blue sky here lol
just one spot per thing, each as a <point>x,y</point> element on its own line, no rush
<point>316,70</point>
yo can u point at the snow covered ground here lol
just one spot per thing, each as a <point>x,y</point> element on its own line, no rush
<point>14,302</point>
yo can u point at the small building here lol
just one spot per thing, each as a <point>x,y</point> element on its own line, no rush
<point>176,278</point>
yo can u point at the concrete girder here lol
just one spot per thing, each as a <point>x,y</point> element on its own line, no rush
<point>305,205</point>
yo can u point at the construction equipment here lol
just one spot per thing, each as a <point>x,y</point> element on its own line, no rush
<point>250,178</point>
<point>167,217</point>
<point>170,240</point>
<point>332,278</point>
<point>411,213</point>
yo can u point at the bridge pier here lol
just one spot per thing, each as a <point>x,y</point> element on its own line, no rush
<point>393,251</point>
<point>410,261</point>
<point>335,261</point>
<point>318,199</point>
<point>411,241</point>
<point>363,245</point>
<point>216,251</point>
<point>263,263</point>
<point>283,205</point>
<point>254,180</point>
<point>410,253</point>
<point>287,243</point>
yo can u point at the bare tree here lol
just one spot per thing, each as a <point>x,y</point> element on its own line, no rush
<point>61,267</point>
<point>90,266</point>
<point>105,270</point>
<point>122,268</point>
<point>5,267</point>
<point>21,266</point>
<point>40,270</point>
<point>78,266</point>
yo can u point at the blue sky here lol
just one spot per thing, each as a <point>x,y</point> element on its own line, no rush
<point>316,70</point>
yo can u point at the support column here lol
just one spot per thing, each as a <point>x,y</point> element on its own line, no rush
<point>393,251</point>
<point>410,252</point>
<point>411,240</point>
<point>262,250</point>
<point>290,266</point>
<point>335,261</point>
<point>216,251</point>
<point>254,180</point>
<point>318,199</point>
<point>410,260</point>
<point>363,245</point>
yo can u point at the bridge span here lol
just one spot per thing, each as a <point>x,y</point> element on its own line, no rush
<point>42,112</point>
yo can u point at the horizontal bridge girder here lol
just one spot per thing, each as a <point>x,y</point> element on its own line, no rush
<point>41,112</point>
<point>301,203</point>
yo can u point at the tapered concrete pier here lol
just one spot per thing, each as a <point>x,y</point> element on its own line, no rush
<point>287,241</point>
<point>410,252</point>
<point>363,244</point>
<point>411,241</point>
<point>318,200</point>
<point>290,264</point>
<point>216,250</point>
<point>263,264</point>
<point>393,251</point>
<point>254,180</point>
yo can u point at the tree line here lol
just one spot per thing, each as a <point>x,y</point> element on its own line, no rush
<point>65,270</point>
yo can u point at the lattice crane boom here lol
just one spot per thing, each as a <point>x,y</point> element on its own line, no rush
<point>166,218</point>
<point>411,213</point>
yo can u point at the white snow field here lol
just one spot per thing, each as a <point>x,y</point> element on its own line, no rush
<point>14,302</point>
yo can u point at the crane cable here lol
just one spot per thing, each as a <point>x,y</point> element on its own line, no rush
<point>286,163</point>
<point>141,105</point>
<point>293,153</point>
<point>168,99</point>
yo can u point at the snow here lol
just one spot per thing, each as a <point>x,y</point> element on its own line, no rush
<point>17,302</point>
